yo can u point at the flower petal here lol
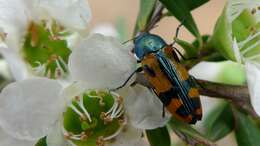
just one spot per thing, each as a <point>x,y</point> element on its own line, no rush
<point>28,108</point>
<point>55,137</point>
<point>7,140</point>
<point>73,14</point>
<point>17,66</point>
<point>13,21</point>
<point>144,108</point>
<point>101,62</point>
<point>106,29</point>
<point>130,136</point>
<point>253,81</point>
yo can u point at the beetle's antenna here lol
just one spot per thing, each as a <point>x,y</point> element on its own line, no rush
<point>129,40</point>
<point>139,69</point>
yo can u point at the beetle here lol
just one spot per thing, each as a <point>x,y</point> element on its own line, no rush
<point>169,80</point>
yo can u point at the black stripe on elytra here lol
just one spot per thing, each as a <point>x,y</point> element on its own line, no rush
<point>193,120</point>
<point>167,96</point>
<point>149,70</point>
<point>182,112</point>
<point>196,102</point>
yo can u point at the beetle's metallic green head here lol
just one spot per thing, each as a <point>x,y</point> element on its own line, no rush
<point>147,43</point>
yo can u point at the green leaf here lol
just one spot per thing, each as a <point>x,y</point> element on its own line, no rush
<point>247,132</point>
<point>193,4</point>
<point>145,12</point>
<point>220,122</point>
<point>189,132</point>
<point>41,142</point>
<point>159,137</point>
<point>181,10</point>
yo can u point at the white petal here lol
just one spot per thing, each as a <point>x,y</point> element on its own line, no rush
<point>206,70</point>
<point>236,51</point>
<point>106,29</point>
<point>16,64</point>
<point>73,14</point>
<point>56,138</point>
<point>129,137</point>
<point>144,108</point>
<point>71,91</point>
<point>14,21</point>
<point>7,140</point>
<point>28,108</point>
<point>253,81</point>
<point>101,62</point>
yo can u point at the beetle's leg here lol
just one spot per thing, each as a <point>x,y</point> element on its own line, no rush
<point>184,58</point>
<point>163,111</point>
<point>177,31</point>
<point>197,82</point>
<point>139,69</point>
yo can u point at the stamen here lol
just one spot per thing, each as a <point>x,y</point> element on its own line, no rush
<point>253,57</point>
<point>114,134</point>
<point>253,11</point>
<point>119,112</point>
<point>40,69</point>
<point>63,63</point>
<point>250,48</point>
<point>49,26</point>
<point>59,66</point>
<point>48,73</point>
<point>248,39</point>
<point>78,112</point>
<point>100,141</point>
<point>101,101</point>
<point>115,111</point>
<point>81,104</point>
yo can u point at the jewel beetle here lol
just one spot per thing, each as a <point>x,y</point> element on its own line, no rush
<point>169,80</point>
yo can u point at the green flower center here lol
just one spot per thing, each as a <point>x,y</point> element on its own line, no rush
<point>94,118</point>
<point>245,29</point>
<point>45,50</point>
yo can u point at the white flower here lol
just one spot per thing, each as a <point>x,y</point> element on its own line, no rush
<point>33,108</point>
<point>106,29</point>
<point>253,79</point>
<point>237,35</point>
<point>19,18</point>
<point>96,55</point>
<point>7,140</point>
<point>236,32</point>
<point>247,48</point>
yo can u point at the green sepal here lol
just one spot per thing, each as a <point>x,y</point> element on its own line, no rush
<point>159,136</point>
<point>42,142</point>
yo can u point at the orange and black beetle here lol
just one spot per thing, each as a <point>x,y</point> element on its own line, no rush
<point>169,79</point>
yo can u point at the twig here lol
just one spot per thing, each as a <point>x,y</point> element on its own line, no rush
<point>238,95</point>
<point>219,90</point>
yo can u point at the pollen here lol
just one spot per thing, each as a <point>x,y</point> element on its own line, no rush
<point>100,141</point>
